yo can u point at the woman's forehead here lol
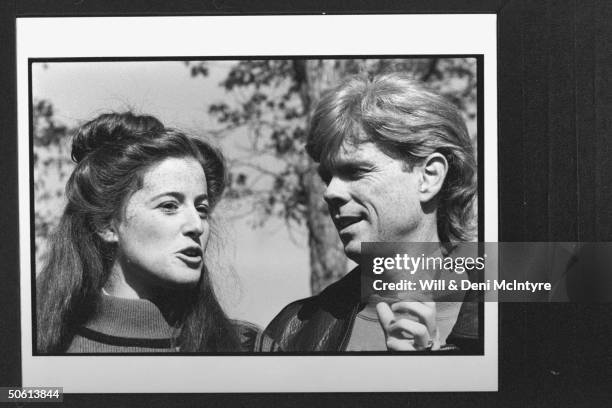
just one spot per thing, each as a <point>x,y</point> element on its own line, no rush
<point>175,173</point>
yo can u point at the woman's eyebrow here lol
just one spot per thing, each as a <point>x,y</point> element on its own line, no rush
<point>178,195</point>
<point>174,194</point>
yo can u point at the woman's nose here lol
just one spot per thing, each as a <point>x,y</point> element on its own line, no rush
<point>193,223</point>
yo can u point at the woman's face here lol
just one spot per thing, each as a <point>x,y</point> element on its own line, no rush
<point>163,231</point>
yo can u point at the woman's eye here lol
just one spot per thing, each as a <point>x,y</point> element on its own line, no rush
<point>203,210</point>
<point>169,206</point>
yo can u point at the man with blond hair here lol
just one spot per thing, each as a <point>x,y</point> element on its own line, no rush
<point>399,167</point>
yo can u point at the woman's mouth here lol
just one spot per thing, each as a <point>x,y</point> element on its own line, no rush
<point>192,256</point>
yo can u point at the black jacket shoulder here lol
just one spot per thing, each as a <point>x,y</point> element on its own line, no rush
<point>252,338</point>
<point>322,322</point>
<point>318,323</point>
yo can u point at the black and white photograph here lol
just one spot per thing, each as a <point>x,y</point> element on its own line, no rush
<point>209,210</point>
<point>298,161</point>
<point>356,204</point>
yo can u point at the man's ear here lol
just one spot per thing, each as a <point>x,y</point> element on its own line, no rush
<point>433,174</point>
<point>108,234</point>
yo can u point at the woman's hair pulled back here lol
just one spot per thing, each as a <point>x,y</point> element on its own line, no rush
<point>112,152</point>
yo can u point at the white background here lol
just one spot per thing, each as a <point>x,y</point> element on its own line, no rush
<point>269,35</point>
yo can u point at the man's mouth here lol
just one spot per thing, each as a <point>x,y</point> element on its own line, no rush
<point>345,221</point>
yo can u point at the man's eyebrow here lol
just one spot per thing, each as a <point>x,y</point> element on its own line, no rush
<point>323,169</point>
<point>352,163</point>
<point>343,167</point>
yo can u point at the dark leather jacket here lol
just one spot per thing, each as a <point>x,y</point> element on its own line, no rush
<point>323,322</point>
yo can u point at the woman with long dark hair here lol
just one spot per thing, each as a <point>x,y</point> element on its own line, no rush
<point>126,267</point>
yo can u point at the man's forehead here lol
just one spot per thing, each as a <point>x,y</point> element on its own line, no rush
<point>359,152</point>
<point>349,155</point>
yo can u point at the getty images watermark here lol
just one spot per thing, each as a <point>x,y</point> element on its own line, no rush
<point>499,272</point>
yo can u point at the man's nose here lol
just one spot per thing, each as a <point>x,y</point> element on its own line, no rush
<point>336,194</point>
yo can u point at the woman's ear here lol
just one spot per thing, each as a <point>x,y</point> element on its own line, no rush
<point>433,174</point>
<point>108,234</point>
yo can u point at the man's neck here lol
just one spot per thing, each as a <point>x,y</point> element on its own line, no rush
<point>426,231</point>
<point>422,242</point>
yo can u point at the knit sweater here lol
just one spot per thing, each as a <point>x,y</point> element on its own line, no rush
<point>121,325</point>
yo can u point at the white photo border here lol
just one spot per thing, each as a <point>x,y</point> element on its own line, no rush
<point>368,35</point>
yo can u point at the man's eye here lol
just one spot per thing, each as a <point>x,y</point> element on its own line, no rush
<point>325,175</point>
<point>354,173</point>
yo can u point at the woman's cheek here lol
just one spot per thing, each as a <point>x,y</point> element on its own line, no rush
<point>146,232</point>
<point>205,236</point>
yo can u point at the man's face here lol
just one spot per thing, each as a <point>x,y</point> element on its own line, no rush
<point>371,197</point>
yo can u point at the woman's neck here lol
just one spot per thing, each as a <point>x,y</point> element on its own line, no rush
<point>117,285</point>
<point>171,303</point>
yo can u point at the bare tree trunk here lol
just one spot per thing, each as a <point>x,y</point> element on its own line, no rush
<point>327,260</point>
